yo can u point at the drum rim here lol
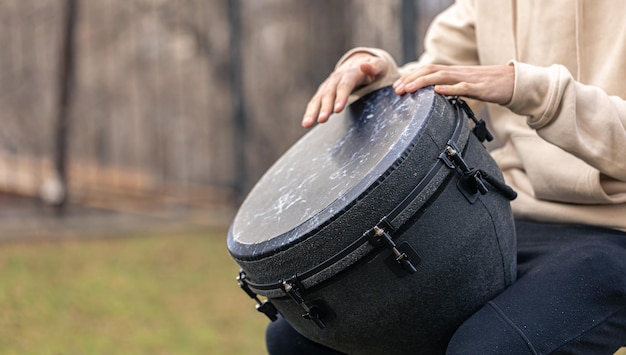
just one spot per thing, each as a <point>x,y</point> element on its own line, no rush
<point>362,246</point>
<point>273,246</point>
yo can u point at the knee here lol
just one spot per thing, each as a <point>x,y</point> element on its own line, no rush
<point>488,332</point>
<point>277,336</point>
<point>593,272</point>
<point>602,262</point>
<point>282,339</point>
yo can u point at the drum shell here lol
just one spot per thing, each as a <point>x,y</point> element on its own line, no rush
<point>348,225</point>
<point>467,253</point>
<point>467,256</point>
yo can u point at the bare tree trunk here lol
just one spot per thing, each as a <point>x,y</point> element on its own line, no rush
<point>66,78</point>
<point>237,97</point>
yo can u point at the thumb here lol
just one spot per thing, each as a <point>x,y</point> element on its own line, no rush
<point>373,68</point>
<point>371,72</point>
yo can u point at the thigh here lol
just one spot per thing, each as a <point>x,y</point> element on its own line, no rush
<point>570,296</point>
<point>282,339</point>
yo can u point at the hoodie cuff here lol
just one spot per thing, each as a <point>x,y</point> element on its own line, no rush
<point>538,92</point>
<point>373,51</point>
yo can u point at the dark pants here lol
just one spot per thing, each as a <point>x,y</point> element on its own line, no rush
<point>569,298</point>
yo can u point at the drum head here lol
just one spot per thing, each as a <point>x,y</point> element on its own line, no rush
<point>326,170</point>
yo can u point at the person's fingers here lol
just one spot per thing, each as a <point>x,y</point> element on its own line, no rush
<point>485,83</point>
<point>344,89</point>
<point>406,79</point>
<point>425,76</point>
<point>367,73</point>
<point>311,112</point>
<point>326,107</point>
<point>332,95</point>
<point>313,107</point>
<point>319,107</point>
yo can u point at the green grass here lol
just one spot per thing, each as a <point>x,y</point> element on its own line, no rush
<point>151,294</point>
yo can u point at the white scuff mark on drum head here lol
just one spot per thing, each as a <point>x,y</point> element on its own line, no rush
<point>312,180</point>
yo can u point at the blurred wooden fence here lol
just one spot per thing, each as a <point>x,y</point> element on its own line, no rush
<point>181,101</point>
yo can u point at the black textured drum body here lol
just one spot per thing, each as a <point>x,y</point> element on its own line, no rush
<point>322,255</point>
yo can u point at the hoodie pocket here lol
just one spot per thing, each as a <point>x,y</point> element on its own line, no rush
<point>556,175</point>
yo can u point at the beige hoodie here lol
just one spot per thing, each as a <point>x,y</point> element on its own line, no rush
<point>564,131</point>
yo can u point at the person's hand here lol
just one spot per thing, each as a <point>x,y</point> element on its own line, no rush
<point>492,83</point>
<point>332,95</point>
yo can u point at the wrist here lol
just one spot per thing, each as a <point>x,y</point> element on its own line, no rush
<point>358,52</point>
<point>356,58</point>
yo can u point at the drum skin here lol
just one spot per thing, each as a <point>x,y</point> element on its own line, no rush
<point>465,246</point>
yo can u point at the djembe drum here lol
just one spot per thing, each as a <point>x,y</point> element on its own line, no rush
<point>382,230</point>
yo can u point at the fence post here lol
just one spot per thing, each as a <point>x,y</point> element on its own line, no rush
<point>409,31</point>
<point>66,81</point>
<point>237,97</point>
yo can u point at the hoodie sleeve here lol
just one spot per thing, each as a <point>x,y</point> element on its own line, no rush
<point>580,119</point>
<point>451,37</point>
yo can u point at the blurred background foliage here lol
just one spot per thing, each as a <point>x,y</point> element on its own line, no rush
<point>130,130</point>
<point>189,101</point>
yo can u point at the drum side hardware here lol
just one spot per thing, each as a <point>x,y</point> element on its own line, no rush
<point>480,126</point>
<point>266,307</point>
<point>472,180</point>
<point>314,311</point>
<point>378,235</point>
